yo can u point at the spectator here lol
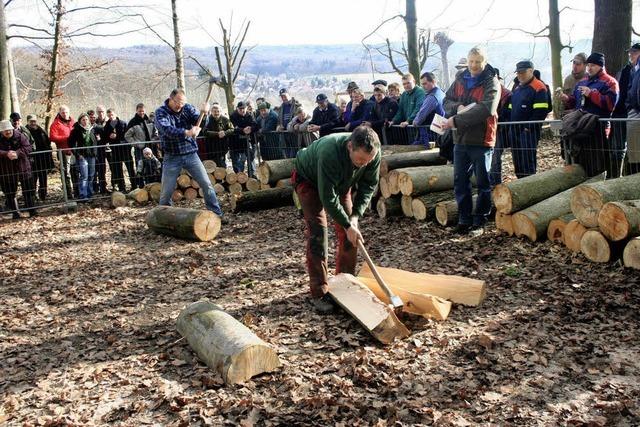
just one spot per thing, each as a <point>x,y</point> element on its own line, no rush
<point>326,116</point>
<point>410,102</point>
<point>287,109</point>
<point>241,146</point>
<point>175,121</point>
<point>461,65</point>
<point>394,91</point>
<point>299,126</point>
<point>432,105</point>
<point>103,151</point>
<point>114,131</point>
<point>346,115</point>
<point>502,133</point>
<point>15,167</point>
<point>16,121</point>
<point>140,132</point>
<point>633,111</point>
<point>578,72</point>
<point>83,140</point>
<point>597,94</point>
<point>378,82</point>
<point>59,134</point>
<point>474,132</point>
<point>361,110</point>
<point>149,168</point>
<point>42,156</point>
<point>218,131</point>
<point>343,109</point>
<point>619,127</point>
<point>384,110</point>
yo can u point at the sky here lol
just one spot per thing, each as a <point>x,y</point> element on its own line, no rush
<point>305,22</point>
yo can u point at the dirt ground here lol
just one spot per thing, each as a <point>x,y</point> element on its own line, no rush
<point>90,299</point>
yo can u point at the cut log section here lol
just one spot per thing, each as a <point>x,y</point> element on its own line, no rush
<point>457,289</point>
<point>154,189</point>
<point>405,204</point>
<point>387,208</point>
<point>218,188</point>
<point>284,182</point>
<point>425,179</point>
<point>631,254</point>
<point>446,212</point>
<point>410,159</point>
<point>253,184</point>
<point>224,344</point>
<point>139,195</point>
<point>184,223</point>
<point>235,188</point>
<point>209,166</point>
<point>392,181</point>
<point>190,193</point>
<point>620,220</point>
<point>383,184</point>
<point>424,305</point>
<point>231,178</point>
<point>242,177</point>
<point>597,248</point>
<point>524,192</point>
<point>573,233</point>
<point>504,223</point>
<point>588,199</point>
<point>184,181</point>
<point>195,184</point>
<point>555,231</point>
<point>271,171</point>
<point>424,207</point>
<point>361,303</point>
<point>220,174</point>
<point>118,199</point>
<point>177,195</point>
<point>263,199</point>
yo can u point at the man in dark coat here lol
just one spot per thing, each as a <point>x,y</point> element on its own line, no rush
<point>114,130</point>
<point>241,146</point>
<point>42,156</point>
<point>325,117</point>
<point>15,167</point>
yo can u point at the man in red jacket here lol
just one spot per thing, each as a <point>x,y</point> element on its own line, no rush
<point>59,133</point>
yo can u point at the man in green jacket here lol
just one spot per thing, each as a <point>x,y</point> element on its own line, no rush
<point>324,174</point>
<point>410,101</point>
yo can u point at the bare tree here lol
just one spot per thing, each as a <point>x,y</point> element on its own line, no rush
<point>444,42</point>
<point>612,32</point>
<point>5,95</point>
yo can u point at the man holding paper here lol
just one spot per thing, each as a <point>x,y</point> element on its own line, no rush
<point>432,105</point>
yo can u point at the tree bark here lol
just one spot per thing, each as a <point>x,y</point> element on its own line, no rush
<point>620,220</point>
<point>424,207</point>
<point>388,150</point>
<point>224,344</point>
<point>177,47</point>
<point>555,231</point>
<point>270,172</point>
<point>556,46</point>
<point>587,200</point>
<point>52,76</point>
<point>263,199</point>
<point>631,254</point>
<point>184,223</point>
<point>361,303</point>
<point>612,32</point>
<point>597,248</point>
<point>447,212</point>
<point>387,208</point>
<point>524,192</point>
<point>5,91</point>
<point>573,233</point>
<point>410,159</point>
<point>420,180</point>
<point>413,53</point>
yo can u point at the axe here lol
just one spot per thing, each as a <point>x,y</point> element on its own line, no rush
<point>212,82</point>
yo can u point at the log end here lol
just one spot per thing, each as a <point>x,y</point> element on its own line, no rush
<point>418,209</point>
<point>206,226</point>
<point>523,226</point>
<point>118,199</point>
<point>586,203</point>
<point>252,361</point>
<point>263,173</point>
<point>555,231</point>
<point>573,233</point>
<point>595,246</point>
<point>502,198</point>
<point>613,222</point>
<point>381,208</point>
<point>631,254</point>
<point>406,203</point>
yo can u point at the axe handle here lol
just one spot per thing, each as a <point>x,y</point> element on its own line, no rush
<point>375,272</point>
<point>199,122</point>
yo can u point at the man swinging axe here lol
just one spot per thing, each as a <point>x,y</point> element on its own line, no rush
<point>323,177</point>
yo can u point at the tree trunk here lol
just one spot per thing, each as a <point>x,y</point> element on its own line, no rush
<point>521,193</point>
<point>410,159</point>
<point>413,53</point>
<point>118,199</point>
<point>13,82</point>
<point>457,289</point>
<point>555,44</point>
<point>263,199</point>
<point>504,223</point>
<point>405,204</point>
<point>270,172</point>
<point>612,32</point>
<point>587,200</point>
<point>177,47</point>
<point>620,220</point>
<point>253,184</point>
<point>224,344</point>
<point>555,231</point>
<point>184,223</point>
<point>139,195</point>
<point>52,76</point>
<point>424,207</point>
<point>597,248</point>
<point>447,212</point>
<point>533,221</point>
<point>631,254</point>
<point>361,303</point>
<point>425,179</point>
<point>5,91</point>
<point>387,208</point>
<point>573,233</point>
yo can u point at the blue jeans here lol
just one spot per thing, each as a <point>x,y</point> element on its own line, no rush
<point>87,169</point>
<point>524,147</point>
<point>472,160</point>
<point>171,167</point>
<point>237,160</point>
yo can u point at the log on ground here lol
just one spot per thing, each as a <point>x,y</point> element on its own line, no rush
<point>219,188</point>
<point>231,178</point>
<point>597,248</point>
<point>271,171</point>
<point>411,159</point>
<point>387,208</point>
<point>154,189</point>
<point>118,199</point>
<point>195,184</point>
<point>620,220</point>
<point>220,174</point>
<point>184,181</point>
<point>405,204</point>
<point>392,180</point>
<point>242,177</point>
<point>190,193</point>
<point>631,254</point>
<point>504,223</point>
<point>383,184</point>
<point>388,150</point>
<point>572,235</point>
<point>177,195</point>
<point>263,199</point>
<point>284,182</point>
<point>235,188</point>
<point>424,179</point>
<point>253,184</point>
<point>192,224</point>
<point>424,207</point>
<point>361,303</point>
<point>555,230</point>
<point>224,344</point>
<point>139,195</point>
<point>209,166</point>
<point>446,212</point>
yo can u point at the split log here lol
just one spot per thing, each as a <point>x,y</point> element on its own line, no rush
<point>154,189</point>
<point>457,289</point>
<point>573,233</point>
<point>263,199</point>
<point>383,184</point>
<point>504,223</point>
<point>284,182</point>
<point>446,212</point>
<point>424,305</point>
<point>533,221</point>
<point>235,188</point>
<point>524,192</point>
<point>253,184</point>
<point>392,180</point>
<point>271,171</point>
<point>185,223</point>
<point>219,174</point>
<point>405,204</point>
<point>424,207</point>
<point>118,199</point>
<point>388,207</point>
<point>190,193</point>
<point>361,303</point>
<point>410,159</point>
<point>597,248</point>
<point>139,195</point>
<point>218,188</point>
<point>631,254</point>
<point>242,177</point>
<point>588,199</point>
<point>620,220</point>
<point>555,230</point>
<point>177,195</point>
<point>209,166</point>
<point>224,344</point>
<point>195,184</point>
<point>231,178</point>
<point>184,181</point>
<point>425,179</point>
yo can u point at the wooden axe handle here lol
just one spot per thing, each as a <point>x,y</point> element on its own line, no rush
<point>199,122</point>
<point>375,272</point>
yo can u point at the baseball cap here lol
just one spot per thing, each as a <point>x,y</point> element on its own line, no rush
<point>379,82</point>
<point>321,97</point>
<point>635,46</point>
<point>524,65</point>
<point>283,91</point>
<point>241,104</point>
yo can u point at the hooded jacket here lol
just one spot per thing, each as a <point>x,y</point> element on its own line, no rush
<point>21,145</point>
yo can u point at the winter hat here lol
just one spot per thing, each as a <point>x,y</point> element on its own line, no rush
<point>14,116</point>
<point>5,125</point>
<point>596,58</point>
<point>147,150</point>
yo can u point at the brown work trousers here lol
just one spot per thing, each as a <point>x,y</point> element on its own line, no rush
<point>315,219</point>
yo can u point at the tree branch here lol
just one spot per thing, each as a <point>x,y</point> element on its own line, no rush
<point>150,28</point>
<point>41,30</point>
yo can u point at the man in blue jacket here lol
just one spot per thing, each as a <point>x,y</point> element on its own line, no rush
<point>175,121</point>
<point>633,111</point>
<point>326,116</point>
<point>433,104</point>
